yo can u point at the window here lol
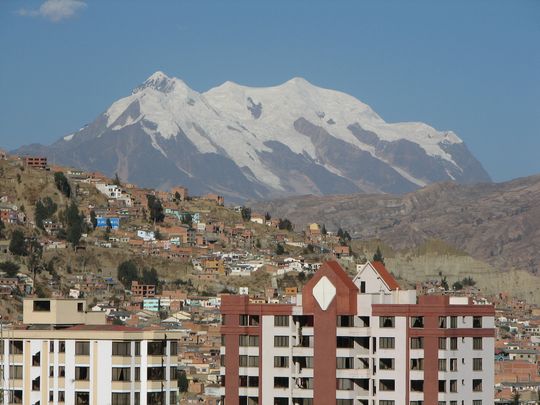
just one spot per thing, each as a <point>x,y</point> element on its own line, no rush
<point>477,322</point>
<point>82,348</point>
<point>80,307</point>
<point>173,348</point>
<point>137,373</point>
<point>253,341</point>
<point>362,286</point>
<point>155,398</point>
<point>61,396</point>
<point>417,385</point>
<point>453,385</point>
<point>442,343</point>
<point>281,361</point>
<point>453,364</point>
<point>417,322</point>
<point>442,385</point>
<point>173,374</point>
<point>62,346</point>
<point>417,343</point>
<point>42,306</point>
<point>417,364</point>
<point>345,321</point>
<point>386,364</point>
<point>453,321</point>
<point>387,322</point>
<point>344,363</point>
<point>137,398</point>
<point>339,402</point>
<point>16,372</point>
<point>51,371</point>
<point>249,361</point>
<point>477,343</point>
<point>120,398</point>
<point>36,359</point>
<point>51,346</point>
<point>386,342</point>
<point>387,385</point>
<point>243,340</point>
<point>156,348</point>
<point>244,319</point>
<point>15,347</point>
<point>477,364</point>
<point>36,384</point>
<point>344,384</point>
<point>61,371</point>
<point>442,322</point>
<point>477,385</point>
<point>121,374</point>
<point>121,348</point>
<point>281,341</point>
<point>155,373</point>
<point>453,343</point>
<point>477,402</point>
<point>82,398</point>
<point>345,342</point>
<point>281,320</point>
<point>173,397</point>
<point>82,373</point>
<point>386,402</point>
<point>15,397</point>
<point>281,382</point>
<point>138,348</point>
<point>442,364</point>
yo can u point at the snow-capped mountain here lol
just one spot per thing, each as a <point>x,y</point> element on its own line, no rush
<point>249,143</point>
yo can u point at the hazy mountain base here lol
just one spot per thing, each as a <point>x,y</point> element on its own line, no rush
<point>517,283</point>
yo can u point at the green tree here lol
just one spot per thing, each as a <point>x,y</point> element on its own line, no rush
<point>117,181</point>
<point>183,382</point>
<point>258,244</point>
<point>516,398</point>
<point>155,208</point>
<point>74,224</point>
<point>378,256</point>
<point>17,245</point>
<point>93,219</point>
<point>444,283</point>
<point>280,249</point>
<point>177,196</point>
<point>62,184</point>
<point>187,218</point>
<point>267,216</point>
<point>246,213</point>
<point>158,235</point>
<point>468,281</point>
<point>150,276</point>
<point>127,272</point>
<point>11,269</point>
<point>45,209</point>
<point>285,224</point>
<point>2,227</point>
<point>457,286</point>
<point>323,230</point>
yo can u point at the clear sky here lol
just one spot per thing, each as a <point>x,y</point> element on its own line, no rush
<point>469,66</point>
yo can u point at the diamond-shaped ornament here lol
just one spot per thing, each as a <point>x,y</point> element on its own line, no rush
<point>324,292</point>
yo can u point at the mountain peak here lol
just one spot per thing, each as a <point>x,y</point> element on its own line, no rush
<point>159,81</point>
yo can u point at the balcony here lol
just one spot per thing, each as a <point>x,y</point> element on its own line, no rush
<point>353,373</point>
<point>353,331</point>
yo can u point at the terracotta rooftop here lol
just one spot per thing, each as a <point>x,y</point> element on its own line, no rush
<point>388,279</point>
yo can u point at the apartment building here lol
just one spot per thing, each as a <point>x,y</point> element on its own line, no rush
<point>358,340</point>
<point>38,162</point>
<point>64,355</point>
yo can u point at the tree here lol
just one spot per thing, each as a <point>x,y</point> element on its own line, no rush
<point>457,286</point>
<point>11,269</point>
<point>150,276</point>
<point>246,213</point>
<point>468,281</point>
<point>378,257</point>
<point>285,224</point>
<point>62,184</point>
<point>187,218</point>
<point>267,216</point>
<point>45,209</point>
<point>74,224</point>
<point>279,249</point>
<point>17,245</point>
<point>323,230</point>
<point>516,398</point>
<point>156,209</point>
<point>258,244</point>
<point>127,272</point>
<point>93,219</point>
<point>444,283</point>
<point>177,196</point>
<point>158,235</point>
<point>2,227</point>
<point>183,382</point>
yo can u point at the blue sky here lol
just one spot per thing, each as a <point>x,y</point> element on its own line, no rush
<point>469,66</point>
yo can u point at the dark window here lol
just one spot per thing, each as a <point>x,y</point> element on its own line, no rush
<point>120,398</point>
<point>477,343</point>
<point>281,320</point>
<point>61,346</point>
<point>362,286</point>
<point>386,364</point>
<point>477,385</point>
<point>453,343</point>
<point>281,382</point>
<point>442,343</point>
<point>174,348</point>
<point>417,364</point>
<point>42,306</point>
<point>155,398</point>
<point>417,343</point>
<point>477,321</point>
<point>387,385</point>
<point>82,348</point>
<point>80,307</point>
<point>138,348</point>
<point>16,372</point>
<point>417,385</point>
<point>156,373</point>
<point>16,347</point>
<point>121,348</point>
<point>442,385</point>
<point>417,322</point>
<point>477,364</point>
<point>453,321</point>
<point>345,342</point>
<point>344,363</point>
<point>36,359</point>
<point>442,321</point>
<point>82,373</point>
<point>36,384</point>
<point>281,341</point>
<point>61,371</point>
<point>387,322</point>
<point>386,342</point>
<point>121,374</point>
<point>156,348</point>
<point>345,321</point>
<point>82,398</point>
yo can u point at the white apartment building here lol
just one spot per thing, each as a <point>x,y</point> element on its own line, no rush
<point>357,341</point>
<point>64,355</point>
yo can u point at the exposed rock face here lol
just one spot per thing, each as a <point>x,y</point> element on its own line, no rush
<point>255,143</point>
<point>495,223</point>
